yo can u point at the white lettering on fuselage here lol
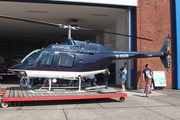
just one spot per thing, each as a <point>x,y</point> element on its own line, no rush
<point>58,47</point>
<point>122,56</point>
<point>61,47</point>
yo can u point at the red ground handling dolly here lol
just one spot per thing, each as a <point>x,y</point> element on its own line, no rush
<point>17,94</point>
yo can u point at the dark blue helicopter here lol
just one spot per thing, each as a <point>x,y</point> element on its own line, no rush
<point>73,58</point>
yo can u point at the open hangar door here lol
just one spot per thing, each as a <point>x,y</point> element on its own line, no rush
<point>20,37</point>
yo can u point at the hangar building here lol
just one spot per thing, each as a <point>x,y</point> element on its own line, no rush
<point>142,18</point>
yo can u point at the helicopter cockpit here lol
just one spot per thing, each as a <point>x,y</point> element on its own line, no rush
<point>33,57</point>
<point>47,57</point>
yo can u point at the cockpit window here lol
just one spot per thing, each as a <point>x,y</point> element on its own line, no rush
<point>48,58</point>
<point>65,60</point>
<point>33,57</point>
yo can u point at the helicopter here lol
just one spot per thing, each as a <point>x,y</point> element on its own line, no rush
<point>75,58</point>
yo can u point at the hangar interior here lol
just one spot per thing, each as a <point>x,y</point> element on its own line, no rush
<point>20,38</point>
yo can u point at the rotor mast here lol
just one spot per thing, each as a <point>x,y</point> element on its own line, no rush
<point>69,32</point>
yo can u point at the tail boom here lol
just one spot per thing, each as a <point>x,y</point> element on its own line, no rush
<point>164,54</point>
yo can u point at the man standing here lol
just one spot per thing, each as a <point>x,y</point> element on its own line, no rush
<point>106,75</point>
<point>24,82</point>
<point>122,77</point>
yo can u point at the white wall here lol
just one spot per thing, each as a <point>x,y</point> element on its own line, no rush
<point>119,43</point>
<point>112,2</point>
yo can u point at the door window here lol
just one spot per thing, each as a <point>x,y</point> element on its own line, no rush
<point>65,60</point>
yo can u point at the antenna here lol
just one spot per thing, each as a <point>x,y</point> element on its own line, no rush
<point>59,40</point>
<point>45,44</point>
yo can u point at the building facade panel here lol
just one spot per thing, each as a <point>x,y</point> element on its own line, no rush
<point>176,23</point>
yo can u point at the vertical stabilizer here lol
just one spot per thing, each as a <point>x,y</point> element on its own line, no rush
<point>165,48</point>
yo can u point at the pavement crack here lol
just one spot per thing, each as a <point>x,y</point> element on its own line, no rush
<point>158,113</point>
<point>165,102</point>
<point>100,105</point>
<point>65,115</point>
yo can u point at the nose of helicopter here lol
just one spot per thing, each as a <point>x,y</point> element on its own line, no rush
<point>17,70</point>
<point>19,73</point>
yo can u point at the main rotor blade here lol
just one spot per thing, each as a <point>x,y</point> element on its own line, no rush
<point>31,20</point>
<point>113,33</point>
<point>66,26</point>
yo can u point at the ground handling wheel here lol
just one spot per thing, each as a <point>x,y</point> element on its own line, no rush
<point>122,99</point>
<point>4,104</point>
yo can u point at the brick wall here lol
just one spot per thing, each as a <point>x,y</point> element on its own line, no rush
<point>153,21</point>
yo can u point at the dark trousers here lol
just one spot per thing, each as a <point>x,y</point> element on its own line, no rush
<point>106,82</point>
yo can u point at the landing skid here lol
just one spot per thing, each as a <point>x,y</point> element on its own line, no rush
<point>43,88</point>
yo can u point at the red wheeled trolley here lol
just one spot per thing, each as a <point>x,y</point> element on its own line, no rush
<point>15,94</point>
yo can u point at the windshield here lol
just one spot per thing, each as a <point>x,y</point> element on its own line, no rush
<point>32,57</point>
